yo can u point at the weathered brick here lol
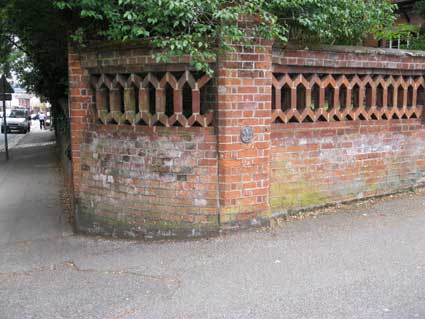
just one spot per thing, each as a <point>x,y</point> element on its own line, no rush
<point>143,181</point>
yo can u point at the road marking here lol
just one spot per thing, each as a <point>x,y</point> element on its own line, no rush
<point>35,144</point>
<point>12,143</point>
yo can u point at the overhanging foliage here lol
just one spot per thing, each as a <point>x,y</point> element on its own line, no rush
<point>197,27</point>
<point>34,45</point>
<point>34,34</point>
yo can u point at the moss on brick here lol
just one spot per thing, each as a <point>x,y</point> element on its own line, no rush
<point>87,221</point>
<point>283,197</point>
<point>90,222</point>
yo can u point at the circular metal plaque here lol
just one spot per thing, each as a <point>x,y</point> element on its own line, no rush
<point>247,134</point>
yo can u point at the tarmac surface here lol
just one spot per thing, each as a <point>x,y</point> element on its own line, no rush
<point>29,183</point>
<point>12,140</point>
<point>360,261</point>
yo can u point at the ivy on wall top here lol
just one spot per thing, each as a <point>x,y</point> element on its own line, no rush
<point>198,27</point>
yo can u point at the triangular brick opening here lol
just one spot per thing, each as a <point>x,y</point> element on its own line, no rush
<point>308,119</point>
<point>142,122</point>
<point>322,119</point>
<point>158,123</point>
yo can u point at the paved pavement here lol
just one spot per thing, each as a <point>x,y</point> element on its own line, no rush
<point>29,183</point>
<point>12,139</point>
<point>365,261</point>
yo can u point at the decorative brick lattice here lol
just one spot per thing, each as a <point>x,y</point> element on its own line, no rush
<point>325,98</point>
<point>153,99</point>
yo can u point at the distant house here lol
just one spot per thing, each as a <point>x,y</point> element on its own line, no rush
<point>23,99</point>
<point>406,14</point>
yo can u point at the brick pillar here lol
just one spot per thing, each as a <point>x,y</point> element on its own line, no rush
<point>79,102</point>
<point>244,101</point>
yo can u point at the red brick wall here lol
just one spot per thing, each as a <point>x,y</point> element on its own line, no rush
<point>370,41</point>
<point>148,182</point>
<point>138,181</point>
<point>334,159</point>
<point>345,60</point>
<point>322,163</point>
<point>158,178</point>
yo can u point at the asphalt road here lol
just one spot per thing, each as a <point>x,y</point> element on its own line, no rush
<point>30,208</point>
<point>12,139</point>
<point>362,261</point>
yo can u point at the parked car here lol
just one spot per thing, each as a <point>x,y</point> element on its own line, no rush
<point>18,120</point>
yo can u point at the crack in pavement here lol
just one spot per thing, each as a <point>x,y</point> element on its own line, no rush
<point>163,279</point>
<point>72,265</point>
<point>32,241</point>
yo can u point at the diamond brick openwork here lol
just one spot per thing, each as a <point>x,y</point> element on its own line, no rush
<point>327,97</point>
<point>150,100</point>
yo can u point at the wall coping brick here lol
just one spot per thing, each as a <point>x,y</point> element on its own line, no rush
<point>354,50</point>
<point>128,57</point>
<point>343,59</point>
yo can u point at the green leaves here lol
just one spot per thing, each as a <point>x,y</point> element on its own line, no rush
<point>197,27</point>
<point>180,27</point>
<point>402,31</point>
<point>36,39</point>
<point>330,21</point>
<point>34,35</point>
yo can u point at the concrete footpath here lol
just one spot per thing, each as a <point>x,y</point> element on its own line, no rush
<point>30,207</point>
<point>360,261</point>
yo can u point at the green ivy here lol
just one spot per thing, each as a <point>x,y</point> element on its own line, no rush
<point>200,27</point>
<point>333,22</point>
